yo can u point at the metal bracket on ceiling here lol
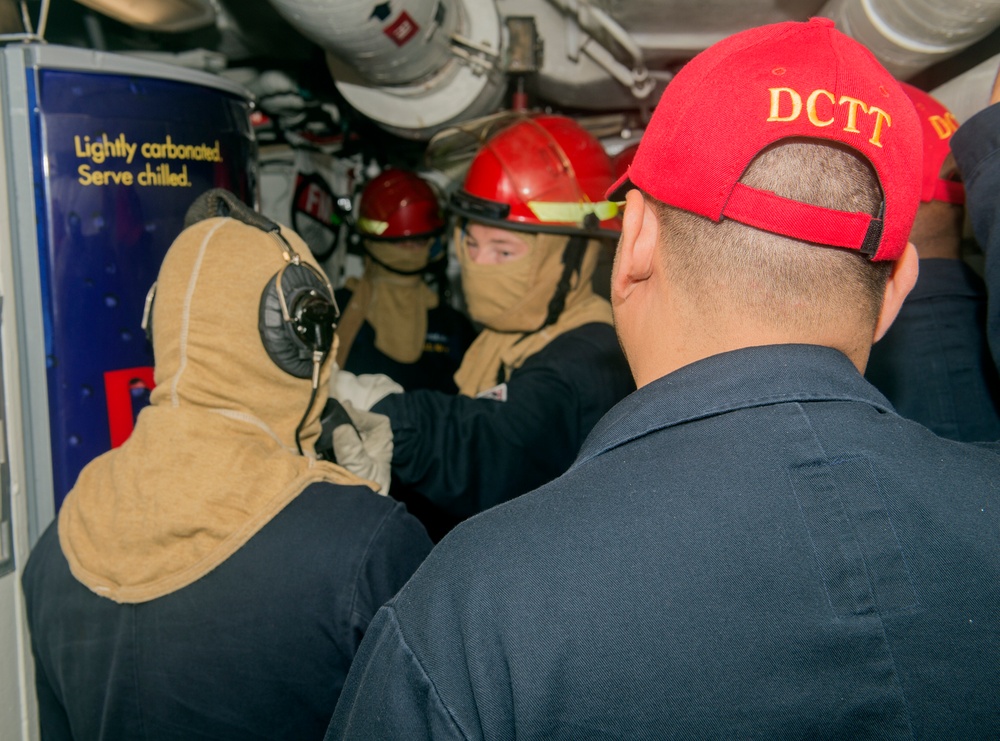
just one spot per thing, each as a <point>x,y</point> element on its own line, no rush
<point>610,46</point>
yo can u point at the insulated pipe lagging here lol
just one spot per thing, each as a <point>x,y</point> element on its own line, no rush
<point>910,35</point>
<point>386,43</point>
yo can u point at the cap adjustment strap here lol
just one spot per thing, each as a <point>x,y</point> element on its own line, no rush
<point>949,191</point>
<point>765,210</point>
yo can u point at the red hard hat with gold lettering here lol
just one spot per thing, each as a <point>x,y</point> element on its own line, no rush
<point>398,205</point>
<point>540,174</point>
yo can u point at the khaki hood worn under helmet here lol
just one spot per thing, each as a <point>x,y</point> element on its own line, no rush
<point>214,457</point>
<point>514,300</point>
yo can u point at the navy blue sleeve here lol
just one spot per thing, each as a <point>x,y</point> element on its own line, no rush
<point>466,455</point>
<point>52,717</point>
<point>976,146</point>
<point>934,363</point>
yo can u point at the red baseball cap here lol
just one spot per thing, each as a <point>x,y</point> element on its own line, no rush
<point>938,125</point>
<point>771,83</point>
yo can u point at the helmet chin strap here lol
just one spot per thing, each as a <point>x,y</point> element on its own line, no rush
<point>391,269</point>
<point>572,259</point>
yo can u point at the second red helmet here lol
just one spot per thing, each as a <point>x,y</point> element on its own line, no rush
<point>398,205</point>
<point>541,174</point>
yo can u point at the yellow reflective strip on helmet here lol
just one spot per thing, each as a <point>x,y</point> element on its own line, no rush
<point>605,210</point>
<point>572,213</point>
<point>372,226</point>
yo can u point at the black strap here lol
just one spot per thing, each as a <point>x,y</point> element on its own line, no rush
<point>873,237</point>
<point>572,260</point>
<point>220,202</point>
<point>333,416</point>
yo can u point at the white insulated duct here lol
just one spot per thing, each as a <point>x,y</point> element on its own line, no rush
<point>910,35</point>
<point>387,43</point>
<point>970,92</point>
<point>419,66</point>
<point>414,66</point>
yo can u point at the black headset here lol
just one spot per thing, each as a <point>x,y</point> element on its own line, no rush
<point>298,313</point>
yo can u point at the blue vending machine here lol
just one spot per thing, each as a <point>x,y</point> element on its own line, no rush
<point>103,155</point>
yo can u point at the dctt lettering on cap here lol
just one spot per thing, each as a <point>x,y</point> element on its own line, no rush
<point>944,126</point>
<point>846,106</point>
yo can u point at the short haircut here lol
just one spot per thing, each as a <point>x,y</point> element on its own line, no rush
<point>773,279</point>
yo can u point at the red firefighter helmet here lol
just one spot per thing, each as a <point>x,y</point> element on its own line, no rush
<point>621,161</point>
<point>398,205</point>
<point>540,174</point>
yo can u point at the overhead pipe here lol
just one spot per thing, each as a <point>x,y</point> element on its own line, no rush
<point>908,36</point>
<point>969,92</point>
<point>389,43</point>
<point>172,16</point>
<point>413,66</point>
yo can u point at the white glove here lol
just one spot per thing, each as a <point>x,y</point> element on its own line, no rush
<point>365,449</point>
<point>364,391</point>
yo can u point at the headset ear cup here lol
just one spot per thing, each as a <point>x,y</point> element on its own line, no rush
<point>281,339</point>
